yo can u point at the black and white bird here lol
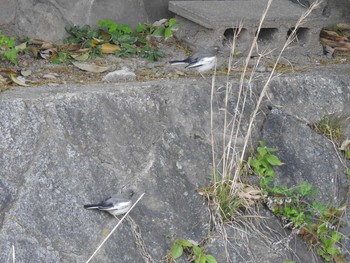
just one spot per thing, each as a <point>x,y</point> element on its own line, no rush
<point>201,61</point>
<point>117,204</point>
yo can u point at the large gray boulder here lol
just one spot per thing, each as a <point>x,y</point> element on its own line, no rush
<point>62,147</point>
<point>47,19</point>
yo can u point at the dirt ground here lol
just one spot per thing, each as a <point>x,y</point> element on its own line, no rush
<point>38,71</point>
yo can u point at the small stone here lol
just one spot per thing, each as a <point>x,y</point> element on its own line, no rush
<point>50,76</point>
<point>26,73</point>
<point>120,75</point>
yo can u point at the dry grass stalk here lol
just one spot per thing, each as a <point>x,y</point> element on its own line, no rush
<point>230,162</point>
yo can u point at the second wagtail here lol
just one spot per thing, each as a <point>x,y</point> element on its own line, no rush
<point>201,61</point>
<point>117,204</point>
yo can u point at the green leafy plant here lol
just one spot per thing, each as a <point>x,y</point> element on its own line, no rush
<point>150,53</point>
<point>330,127</point>
<point>194,252</point>
<point>290,203</point>
<point>60,58</point>
<point>84,36</point>
<point>347,172</point>
<point>315,221</point>
<point>229,202</point>
<point>132,42</point>
<point>145,29</point>
<point>118,33</point>
<point>264,161</point>
<point>8,52</point>
<point>262,164</point>
<point>329,239</point>
<point>166,30</point>
<point>128,42</point>
<point>347,153</point>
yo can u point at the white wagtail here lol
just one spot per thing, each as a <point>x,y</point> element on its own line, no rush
<point>202,61</point>
<point>117,204</point>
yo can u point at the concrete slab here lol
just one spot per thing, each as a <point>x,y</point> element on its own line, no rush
<point>212,14</point>
<point>206,23</point>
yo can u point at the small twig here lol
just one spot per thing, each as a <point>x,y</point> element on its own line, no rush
<point>13,254</point>
<point>121,220</point>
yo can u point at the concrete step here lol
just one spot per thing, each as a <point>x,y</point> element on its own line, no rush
<point>214,22</point>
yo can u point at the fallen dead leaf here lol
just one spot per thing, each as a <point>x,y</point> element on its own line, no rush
<point>8,71</point>
<point>160,22</point>
<point>108,48</point>
<point>21,47</point>
<point>3,80</point>
<point>91,67</point>
<point>343,26</point>
<point>36,41</point>
<point>72,47</point>
<point>18,80</point>
<point>331,35</point>
<point>80,57</point>
<point>344,145</point>
<point>47,45</point>
<point>83,50</point>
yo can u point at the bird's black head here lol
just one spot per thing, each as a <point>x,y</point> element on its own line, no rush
<point>128,193</point>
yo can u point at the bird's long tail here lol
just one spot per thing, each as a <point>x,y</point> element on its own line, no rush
<point>178,62</point>
<point>92,206</point>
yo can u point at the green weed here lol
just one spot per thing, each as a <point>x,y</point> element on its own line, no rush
<point>129,42</point>
<point>8,52</point>
<point>330,127</point>
<point>167,29</point>
<point>84,36</point>
<point>316,222</point>
<point>194,252</point>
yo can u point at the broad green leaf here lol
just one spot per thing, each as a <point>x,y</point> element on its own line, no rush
<point>140,28</point>
<point>175,27</point>
<point>127,39</point>
<point>168,33</point>
<point>125,29</point>
<point>336,236</point>
<point>185,243</point>
<point>271,150</point>
<point>274,160</point>
<point>159,32</point>
<point>262,143</point>
<point>197,251</point>
<point>172,21</point>
<point>333,251</point>
<point>176,251</point>
<point>202,259</point>
<point>305,189</point>
<point>262,151</point>
<point>210,259</point>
